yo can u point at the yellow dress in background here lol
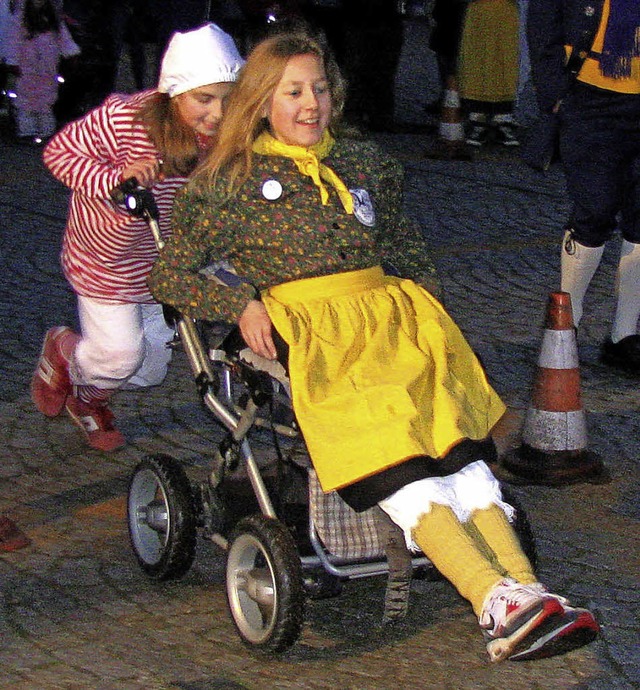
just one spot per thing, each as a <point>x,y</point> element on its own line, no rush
<point>489,51</point>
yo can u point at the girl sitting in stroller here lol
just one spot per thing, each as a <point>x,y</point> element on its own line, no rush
<point>393,404</point>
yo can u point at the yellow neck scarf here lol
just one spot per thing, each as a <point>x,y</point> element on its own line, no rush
<point>308,162</point>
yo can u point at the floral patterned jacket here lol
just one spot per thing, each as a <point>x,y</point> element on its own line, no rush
<point>276,230</point>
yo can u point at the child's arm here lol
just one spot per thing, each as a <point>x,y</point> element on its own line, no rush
<point>87,154</point>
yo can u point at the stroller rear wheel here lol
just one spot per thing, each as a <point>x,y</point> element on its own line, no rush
<point>265,588</point>
<point>162,518</point>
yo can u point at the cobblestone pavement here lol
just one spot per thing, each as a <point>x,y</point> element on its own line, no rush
<point>76,612</point>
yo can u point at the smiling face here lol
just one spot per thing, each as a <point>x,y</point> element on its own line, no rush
<point>300,108</point>
<point>201,108</point>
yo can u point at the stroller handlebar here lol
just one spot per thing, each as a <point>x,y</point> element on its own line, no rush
<point>137,200</point>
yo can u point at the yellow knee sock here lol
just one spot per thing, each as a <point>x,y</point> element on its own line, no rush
<point>448,545</point>
<point>499,535</point>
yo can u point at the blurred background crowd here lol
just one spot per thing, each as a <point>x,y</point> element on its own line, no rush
<point>365,35</point>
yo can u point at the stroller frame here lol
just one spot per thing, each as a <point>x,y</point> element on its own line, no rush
<point>267,577</point>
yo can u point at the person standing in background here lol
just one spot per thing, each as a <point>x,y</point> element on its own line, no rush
<point>7,61</point>
<point>448,16</point>
<point>371,45</point>
<point>37,38</point>
<point>488,71</point>
<point>131,24</point>
<point>526,108</point>
<point>599,115</point>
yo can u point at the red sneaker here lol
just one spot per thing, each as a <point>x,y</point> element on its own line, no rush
<point>50,384</point>
<point>512,616</point>
<point>575,628</point>
<point>524,622</point>
<point>96,422</point>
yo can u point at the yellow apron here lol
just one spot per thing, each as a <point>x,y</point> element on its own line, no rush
<point>379,373</point>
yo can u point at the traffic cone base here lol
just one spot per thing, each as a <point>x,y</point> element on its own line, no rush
<point>527,465</point>
<point>452,132</point>
<point>449,151</point>
<point>549,430</point>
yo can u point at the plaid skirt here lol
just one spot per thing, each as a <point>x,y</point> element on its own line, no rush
<point>379,373</point>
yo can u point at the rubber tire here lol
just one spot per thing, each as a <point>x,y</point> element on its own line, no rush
<point>166,550</point>
<point>262,547</point>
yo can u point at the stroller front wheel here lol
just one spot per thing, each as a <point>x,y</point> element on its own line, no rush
<point>162,518</point>
<point>265,588</point>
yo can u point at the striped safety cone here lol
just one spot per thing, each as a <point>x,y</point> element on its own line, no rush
<point>553,450</point>
<point>451,142</point>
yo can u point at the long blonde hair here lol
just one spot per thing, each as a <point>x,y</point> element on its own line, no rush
<point>175,141</point>
<point>244,117</point>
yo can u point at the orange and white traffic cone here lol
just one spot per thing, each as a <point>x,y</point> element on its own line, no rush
<point>554,434</point>
<point>451,143</point>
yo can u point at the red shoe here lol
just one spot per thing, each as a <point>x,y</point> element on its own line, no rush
<point>96,422</point>
<point>50,384</point>
<point>11,537</point>
<point>512,616</point>
<point>524,622</point>
<point>574,629</point>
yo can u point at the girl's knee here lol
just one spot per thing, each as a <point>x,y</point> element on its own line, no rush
<point>110,364</point>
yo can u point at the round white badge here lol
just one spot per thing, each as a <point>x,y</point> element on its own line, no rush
<point>271,190</point>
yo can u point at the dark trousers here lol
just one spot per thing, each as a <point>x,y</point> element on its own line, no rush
<point>600,152</point>
<point>445,37</point>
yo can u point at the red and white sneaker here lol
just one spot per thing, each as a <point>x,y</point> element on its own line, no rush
<point>95,420</point>
<point>50,384</point>
<point>524,622</point>
<point>575,628</point>
<point>578,628</point>
<point>511,616</point>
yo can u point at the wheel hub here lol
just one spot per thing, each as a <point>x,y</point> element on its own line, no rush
<point>155,516</point>
<point>258,585</point>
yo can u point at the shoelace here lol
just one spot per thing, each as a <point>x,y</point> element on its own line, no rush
<point>506,597</point>
<point>540,590</point>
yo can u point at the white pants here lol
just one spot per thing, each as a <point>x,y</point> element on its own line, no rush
<point>472,488</point>
<point>121,343</point>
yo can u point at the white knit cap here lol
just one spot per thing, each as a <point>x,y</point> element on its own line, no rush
<point>197,58</point>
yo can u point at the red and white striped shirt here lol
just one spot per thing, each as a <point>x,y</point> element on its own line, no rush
<point>107,253</point>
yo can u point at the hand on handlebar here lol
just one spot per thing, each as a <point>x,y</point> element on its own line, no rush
<point>145,170</point>
<point>135,199</point>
